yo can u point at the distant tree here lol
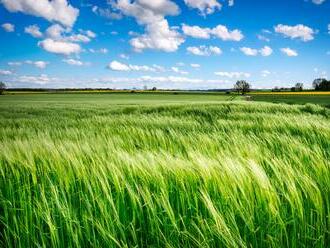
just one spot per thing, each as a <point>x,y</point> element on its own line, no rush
<point>154,88</point>
<point>242,86</point>
<point>299,86</point>
<point>321,84</point>
<point>276,89</point>
<point>2,87</point>
<point>145,87</point>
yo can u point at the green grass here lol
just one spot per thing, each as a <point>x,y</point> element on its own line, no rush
<point>162,171</point>
<point>294,99</point>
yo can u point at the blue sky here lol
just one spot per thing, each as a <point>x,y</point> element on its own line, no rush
<point>186,44</point>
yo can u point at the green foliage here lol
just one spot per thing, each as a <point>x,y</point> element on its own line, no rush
<point>323,100</point>
<point>76,172</point>
<point>321,84</point>
<point>2,87</point>
<point>242,86</point>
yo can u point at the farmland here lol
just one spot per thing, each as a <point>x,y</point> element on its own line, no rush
<point>321,98</point>
<point>162,170</point>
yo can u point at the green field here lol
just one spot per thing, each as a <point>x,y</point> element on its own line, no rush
<point>162,170</point>
<point>323,100</point>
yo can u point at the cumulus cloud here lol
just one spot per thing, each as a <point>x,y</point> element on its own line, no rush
<point>233,74</point>
<point>178,70</point>
<point>318,2</point>
<point>265,73</point>
<point>75,62</point>
<point>205,7</point>
<point>39,64</point>
<point>196,31</point>
<point>265,51</point>
<point>41,79</point>
<point>52,10</point>
<point>101,50</point>
<point>195,65</point>
<point>34,31</point>
<point>106,13</point>
<point>296,32</point>
<point>5,72</point>
<point>8,27</point>
<point>219,31</point>
<point>55,31</point>
<point>289,52</point>
<point>15,63</point>
<point>78,38</point>
<point>59,47</point>
<point>249,51</point>
<point>151,14</point>
<point>124,56</point>
<point>57,41</point>
<point>263,38</point>
<point>204,50</point>
<point>118,66</point>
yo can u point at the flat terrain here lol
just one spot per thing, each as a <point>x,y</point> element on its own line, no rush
<point>115,98</point>
<point>321,98</point>
<point>131,170</point>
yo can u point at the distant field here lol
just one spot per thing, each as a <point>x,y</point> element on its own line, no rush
<point>133,170</point>
<point>115,98</point>
<point>321,98</point>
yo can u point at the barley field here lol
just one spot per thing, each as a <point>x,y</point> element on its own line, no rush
<point>162,171</point>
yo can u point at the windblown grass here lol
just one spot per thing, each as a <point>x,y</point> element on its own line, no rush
<point>238,174</point>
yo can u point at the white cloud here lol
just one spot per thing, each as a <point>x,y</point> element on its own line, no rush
<point>5,72</point>
<point>196,31</point>
<point>177,70</point>
<point>8,27</point>
<point>329,28</point>
<point>195,65</point>
<point>42,79</point>
<point>124,56</point>
<point>223,33</point>
<point>74,62</point>
<point>318,1</point>
<point>266,51</point>
<point>158,34</point>
<point>205,7</point>
<point>59,47</point>
<point>39,64</point>
<point>233,74</point>
<point>14,63</point>
<point>33,30</point>
<point>78,38</point>
<point>106,13</point>
<point>219,31</point>
<point>101,50</point>
<point>289,52</point>
<point>118,66</point>
<point>204,50</point>
<point>296,32</point>
<point>249,51</point>
<point>265,73</point>
<point>52,10</point>
<point>89,33</point>
<point>231,3</point>
<point>55,31</point>
<point>263,38</point>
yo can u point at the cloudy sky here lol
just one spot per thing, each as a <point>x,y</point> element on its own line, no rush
<point>187,44</point>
